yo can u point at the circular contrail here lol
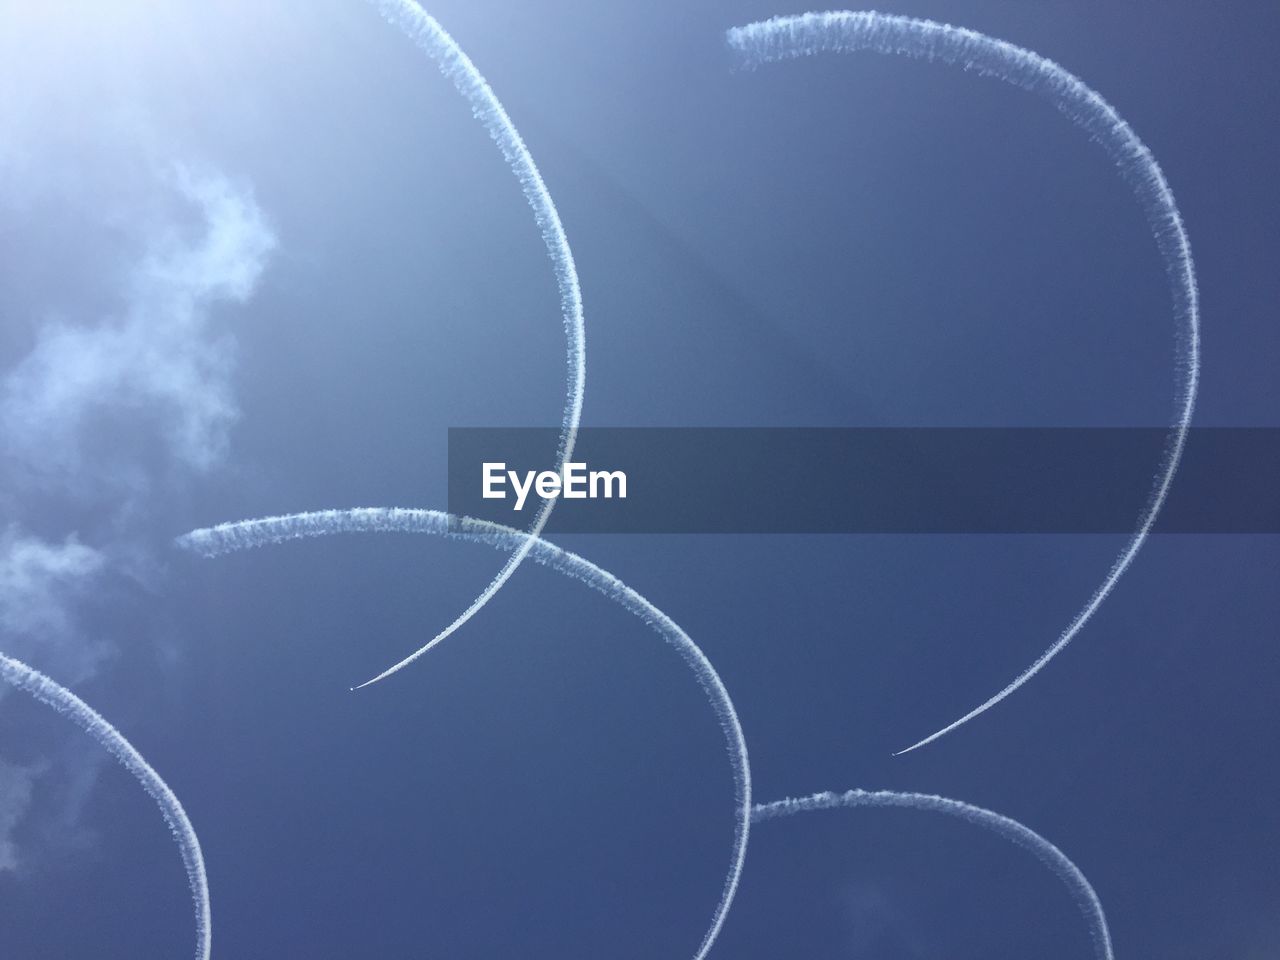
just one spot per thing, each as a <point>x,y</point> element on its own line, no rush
<point>424,31</point>
<point>47,691</point>
<point>1057,861</point>
<point>229,537</point>
<point>843,32</point>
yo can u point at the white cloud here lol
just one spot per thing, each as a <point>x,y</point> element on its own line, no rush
<point>40,580</point>
<point>16,787</point>
<point>92,415</point>
<point>40,586</point>
<point>161,362</point>
<point>117,376</point>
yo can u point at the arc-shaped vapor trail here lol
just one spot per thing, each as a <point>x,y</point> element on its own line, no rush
<point>842,32</point>
<point>53,694</point>
<point>424,31</point>
<point>1057,861</point>
<point>229,537</point>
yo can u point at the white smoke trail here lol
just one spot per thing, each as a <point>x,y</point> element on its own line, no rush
<point>229,537</point>
<point>843,32</point>
<point>1013,831</point>
<point>424,31</point>
<point>91,722</point>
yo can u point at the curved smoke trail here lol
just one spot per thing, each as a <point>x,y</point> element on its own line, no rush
<point>32,681</point>
<point>229,537</point>
<point>812,33</point>
<point>1013,831</point>
<point>424,31</point>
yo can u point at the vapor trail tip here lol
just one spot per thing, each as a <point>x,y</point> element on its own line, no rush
<point>914,746</point>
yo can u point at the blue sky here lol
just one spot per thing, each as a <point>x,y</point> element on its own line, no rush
<point>259,257</point>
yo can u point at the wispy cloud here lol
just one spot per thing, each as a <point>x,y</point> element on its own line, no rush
<point>162,363</point>
<point>96,413</point>
<point>40,585</point>
<point>17,784</point>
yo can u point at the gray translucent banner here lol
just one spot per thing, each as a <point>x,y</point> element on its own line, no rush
<point>865,480</point>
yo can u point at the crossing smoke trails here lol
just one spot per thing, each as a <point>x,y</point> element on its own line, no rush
<point>761,42</point>
<point>230,537</point>
<point>424,31</point>
<point>843,32</point>
<point>65,702</point>
<point>248,534</point>
<point>1011,830</point>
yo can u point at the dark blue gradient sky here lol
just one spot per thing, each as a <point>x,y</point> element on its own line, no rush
<point>851,240</point>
